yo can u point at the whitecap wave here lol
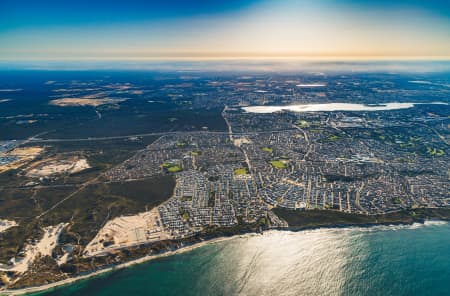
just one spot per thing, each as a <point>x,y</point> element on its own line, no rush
<point>370,228</point>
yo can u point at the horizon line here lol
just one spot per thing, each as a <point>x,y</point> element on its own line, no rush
<point>169,58</point>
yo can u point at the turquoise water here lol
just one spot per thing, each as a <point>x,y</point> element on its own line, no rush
<point>382,260</point>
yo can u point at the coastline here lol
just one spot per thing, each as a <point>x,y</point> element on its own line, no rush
<point>216,237</point>
<point>24,291</point>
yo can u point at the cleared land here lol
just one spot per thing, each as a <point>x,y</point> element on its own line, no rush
<point>72,102</point>
<point>6,224</point>
<point>58,166</point>
<point>32,251</point>
<point>127,231</point>
<point>21,157</point>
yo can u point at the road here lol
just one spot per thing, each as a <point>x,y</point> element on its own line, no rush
<point>37,140</point>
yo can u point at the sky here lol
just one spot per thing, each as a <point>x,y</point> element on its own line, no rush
<point>224,29</point>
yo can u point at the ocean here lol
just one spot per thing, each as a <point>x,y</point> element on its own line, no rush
<point>380,260</point>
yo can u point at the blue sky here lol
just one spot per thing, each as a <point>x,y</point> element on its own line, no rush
<point>43,13</point>
<point>100,29</point>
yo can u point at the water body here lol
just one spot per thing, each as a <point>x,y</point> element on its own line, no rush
<point>382,260</point>
<point>328,107</point>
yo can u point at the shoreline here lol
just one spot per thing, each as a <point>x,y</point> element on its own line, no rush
<point>191,247</point>
<point>144,259</point>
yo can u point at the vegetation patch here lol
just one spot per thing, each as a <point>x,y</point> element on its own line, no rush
<point>195,153</point>
<point>435,152</point>
<point>184,214</point>
<point>302,123</point>
<point>240,171</point>
<point>186,198</point>
<point>322,218</point>
<point>171,167</point>
<point>174,169</point>
<point>332,138</point>
<point>278,164</point>
<point>267,149</point>
<point>396,200</point>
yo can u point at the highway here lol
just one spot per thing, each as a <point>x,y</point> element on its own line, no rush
<point>38,140</point>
